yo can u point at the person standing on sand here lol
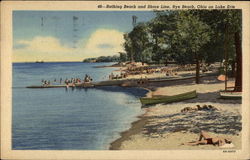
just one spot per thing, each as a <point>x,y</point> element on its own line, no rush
<point>205,138</point>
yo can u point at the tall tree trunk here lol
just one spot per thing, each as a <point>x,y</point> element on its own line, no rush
<point>197,77</point>
<point>166,62</point>
<point>226,55</point>
<point>238,81</point>
<point>233,68</point>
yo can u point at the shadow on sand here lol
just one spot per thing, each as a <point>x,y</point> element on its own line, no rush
<point>214,97</point>
<point>211,121</point>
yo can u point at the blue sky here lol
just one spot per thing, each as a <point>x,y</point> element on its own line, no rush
<point>70,35</point>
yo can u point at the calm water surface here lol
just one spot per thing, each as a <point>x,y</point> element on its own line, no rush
<point>60,119</point>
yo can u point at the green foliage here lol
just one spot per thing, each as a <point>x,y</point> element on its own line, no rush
<point>184,36</point>
<point>162,29</point>
<point>114,58</point>
<point>89,60</point>
<point>123,57</point>
<point>190,36</point>
<point>128,47</point>
<point>137,42</point>
<point>218,20</point>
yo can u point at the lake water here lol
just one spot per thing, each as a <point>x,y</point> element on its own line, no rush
<point>60,119</point>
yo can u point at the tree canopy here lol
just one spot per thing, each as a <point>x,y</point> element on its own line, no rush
<point>188,37</point>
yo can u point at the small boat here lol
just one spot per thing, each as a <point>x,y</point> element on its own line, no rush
<point>168,99</point>
<point>230,95</point>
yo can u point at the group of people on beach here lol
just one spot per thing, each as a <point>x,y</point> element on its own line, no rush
<point>122,75</point>
<point>67,81</point>
<point>167,70</point>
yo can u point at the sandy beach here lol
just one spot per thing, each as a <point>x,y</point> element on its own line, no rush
<point>164,126</point>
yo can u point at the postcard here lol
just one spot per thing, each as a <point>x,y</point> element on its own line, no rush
<point>125,80</point>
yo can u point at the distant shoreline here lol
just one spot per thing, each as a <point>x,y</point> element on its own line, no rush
<point>106,66</point>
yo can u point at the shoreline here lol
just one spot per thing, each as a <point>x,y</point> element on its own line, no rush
<point>134,135</point>
<point>136,127</point>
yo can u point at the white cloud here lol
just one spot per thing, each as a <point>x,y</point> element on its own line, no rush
<point>41,48</point>
<point>102,42</point>
<point>45,45</point>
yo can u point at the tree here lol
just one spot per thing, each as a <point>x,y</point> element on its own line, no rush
<point>128,47</point>
<point>123,57</point>
<point>191,35</point>
<point>138,41</point>
<point>219,20</point>
<point>180,35</point>
<point>235,18</point>
<point>161,28</point>
<point>114,58</point>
